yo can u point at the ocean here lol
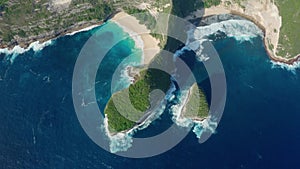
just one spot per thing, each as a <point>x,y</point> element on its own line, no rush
<point>39,127</point>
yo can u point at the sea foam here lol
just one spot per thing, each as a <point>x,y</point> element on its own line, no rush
<point>83,30</point>
<point>241,30</point>
<point>206,125</point>
<point>123,141</point>
<point>177,110</point>
<point>199,127</point>
<point>289,67</point>
<point>11,54</point>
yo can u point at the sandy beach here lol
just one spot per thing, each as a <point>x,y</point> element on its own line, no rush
<point>136,30</point>
<point>264,14</point>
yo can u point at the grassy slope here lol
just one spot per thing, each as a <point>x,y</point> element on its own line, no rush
<point>289,33</point>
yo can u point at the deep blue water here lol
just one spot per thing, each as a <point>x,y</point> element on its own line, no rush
<point>39,128</point>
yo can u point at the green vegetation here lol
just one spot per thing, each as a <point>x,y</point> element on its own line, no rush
<point>147,81</point>
<point>289,32</point>
<point>2,3</point>
<point>31,18</point>
<point>271,46</point>
<point>133,10</point>
<point>209,3</point>
<point>118,122</point>
<point>196,97</point>
<point>184,8</point>
<point>145,18</point>
<point>139,94</point>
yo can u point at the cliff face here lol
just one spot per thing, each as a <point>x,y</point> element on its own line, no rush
<point>26,21</point>
<point>22,22</point>
<point>265,14</point>
<point>278,19</point>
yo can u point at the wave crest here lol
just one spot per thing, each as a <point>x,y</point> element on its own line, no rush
<point>241,30</point>
<point>123,141</point>
<point>11,54</point>
<point>285,66</point>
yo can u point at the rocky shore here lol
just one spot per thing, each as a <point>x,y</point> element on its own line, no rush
<point>25,42</point>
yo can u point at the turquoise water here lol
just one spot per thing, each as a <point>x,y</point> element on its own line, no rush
<point>39,127</point>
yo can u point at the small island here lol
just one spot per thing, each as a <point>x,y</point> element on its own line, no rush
<point>139,97</point>
<point>196,106</point>
<point>25,22</point>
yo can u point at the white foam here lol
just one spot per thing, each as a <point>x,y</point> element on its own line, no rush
<point>198,130</point>
<point>181,51</point>
<point>122,141</point>
<point>36,46</point>
<point>118,142</point>
<point>241,30</point>
<point>136,37</point>
<point>123,80</point>
<point>206,125</point>
<point>177,110</point>
<point>17,50</point>
<point>83,30</point>
<point>289,67</point>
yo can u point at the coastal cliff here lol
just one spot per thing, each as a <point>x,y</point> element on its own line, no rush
<point>25,22</point>
<point>270,16</point>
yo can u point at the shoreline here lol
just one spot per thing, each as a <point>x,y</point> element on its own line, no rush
<point>26,42</point>
<point>150,45</point>
<point>270,54</point>
<point>183,111</point>
<point>144,121</point>
<point>39,44</point>
<point>140,34</point>
<point>263,19</point>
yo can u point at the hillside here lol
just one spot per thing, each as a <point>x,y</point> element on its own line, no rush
<point>25,21</point>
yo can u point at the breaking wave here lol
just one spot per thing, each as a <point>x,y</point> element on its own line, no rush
<point>205,125</point>
<point>11,54</point>
<point>177,110</point>
<point>123,141</point>
<point>198,126</point>
<point>285,66</point>
<point>241,30</point>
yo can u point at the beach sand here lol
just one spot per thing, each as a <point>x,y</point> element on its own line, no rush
<point>138,31</point>
<point>264,14</point>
